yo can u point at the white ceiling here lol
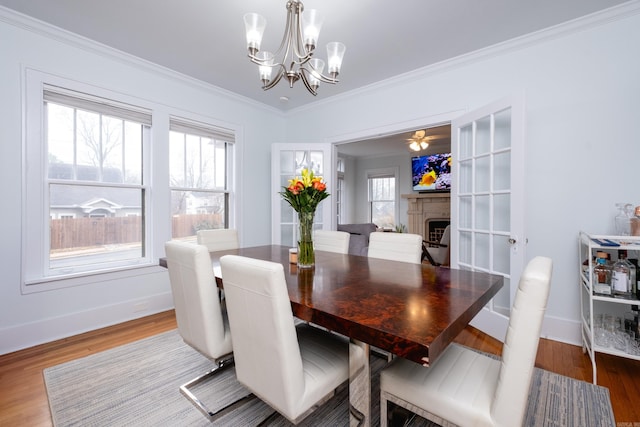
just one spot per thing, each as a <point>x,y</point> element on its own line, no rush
<point>204,39</point>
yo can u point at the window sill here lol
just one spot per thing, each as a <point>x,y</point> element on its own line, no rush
<point>59,282</point>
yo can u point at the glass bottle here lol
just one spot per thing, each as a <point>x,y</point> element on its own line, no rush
<point>634,275</point>
<point>621,276</point>
<point>601,275</point>
<point>623,219</point>
<point>635,222</point>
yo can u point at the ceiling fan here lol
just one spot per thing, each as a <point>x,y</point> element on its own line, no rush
<point>419,140</point>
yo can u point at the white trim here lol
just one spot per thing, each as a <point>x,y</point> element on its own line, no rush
<point>51,283</point>
<point>30,334</point>
<point>75,40</point>
<point>395,127</point>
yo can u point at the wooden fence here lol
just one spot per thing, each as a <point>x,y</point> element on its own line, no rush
<point>70,233</point>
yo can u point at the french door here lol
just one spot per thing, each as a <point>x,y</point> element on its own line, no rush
<point>287,161</point>
<point>487,208</point>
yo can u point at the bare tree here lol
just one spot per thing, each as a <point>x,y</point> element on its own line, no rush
<point>101,136</point>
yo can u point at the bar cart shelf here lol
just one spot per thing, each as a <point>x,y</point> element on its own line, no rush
<point>591,304</point>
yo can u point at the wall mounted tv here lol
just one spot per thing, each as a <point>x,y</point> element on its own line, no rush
<point>431,173</point>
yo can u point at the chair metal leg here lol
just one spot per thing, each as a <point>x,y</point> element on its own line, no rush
<point>212,416</point>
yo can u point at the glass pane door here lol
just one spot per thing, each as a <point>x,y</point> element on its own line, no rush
<point>288,160</point>
<point>486,201</point>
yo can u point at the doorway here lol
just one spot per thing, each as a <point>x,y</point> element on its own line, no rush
<point>384,151</point>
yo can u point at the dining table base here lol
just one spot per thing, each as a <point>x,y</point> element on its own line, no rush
<point>359,384</point>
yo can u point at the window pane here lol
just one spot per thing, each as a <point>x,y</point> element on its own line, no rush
<point>483,136</point>
<point>383,214</point>
<point>192,162</point>
<point>112,150</point>
<point>133,135</point>
<point>60,137</point>
<point>196,210</point>
<point>93,225</point>
<point>382,201</point>
<point>176,159</point>
<point>89,154</point>
<point>197,162</point>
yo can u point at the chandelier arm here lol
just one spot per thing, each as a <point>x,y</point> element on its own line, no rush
<point>285,37</point>
<point>298,42</point>
<point>303,75</point>
<point>321,76</point>
<point>272,83</point>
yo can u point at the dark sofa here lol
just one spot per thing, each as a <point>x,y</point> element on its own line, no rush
<point>359,239</point>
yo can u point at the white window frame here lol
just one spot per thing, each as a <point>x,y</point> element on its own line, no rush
<point>383,173</point>
<point>192,127</point>
<point>35,230</point>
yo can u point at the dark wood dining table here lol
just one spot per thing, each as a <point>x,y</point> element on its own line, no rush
<point>413,311</point>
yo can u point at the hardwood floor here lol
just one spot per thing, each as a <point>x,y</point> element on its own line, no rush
<point>23,399</point>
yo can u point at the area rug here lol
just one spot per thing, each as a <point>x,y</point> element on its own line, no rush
<point>138,385</point>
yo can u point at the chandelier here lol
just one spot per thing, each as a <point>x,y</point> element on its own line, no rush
<point>294,57</point>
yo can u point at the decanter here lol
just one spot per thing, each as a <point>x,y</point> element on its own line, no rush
<point>623,219</point>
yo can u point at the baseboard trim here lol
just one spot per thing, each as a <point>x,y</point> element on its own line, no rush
<point>31,334</point>
<point>553,328</point>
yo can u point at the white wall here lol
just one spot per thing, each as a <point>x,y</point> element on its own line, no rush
<point>32,318</point>
<point>582,92</point>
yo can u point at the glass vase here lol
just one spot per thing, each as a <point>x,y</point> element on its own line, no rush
<point>306,256</point>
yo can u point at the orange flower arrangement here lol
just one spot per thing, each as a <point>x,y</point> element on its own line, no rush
<point>304,193</point>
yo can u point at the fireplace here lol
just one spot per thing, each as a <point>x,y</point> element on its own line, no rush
<point>434,228</point>
<point>425,209</point>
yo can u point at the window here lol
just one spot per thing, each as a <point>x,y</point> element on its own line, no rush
<point>90,184</point>
<point>199,156</point>
<point>89,212</point>
<point>382,198</point>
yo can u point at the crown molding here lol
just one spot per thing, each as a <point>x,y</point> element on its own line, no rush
<point>555,32</point>
<point>41,28</point>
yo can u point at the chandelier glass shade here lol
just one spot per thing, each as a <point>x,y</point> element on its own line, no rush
<point>294,58</point>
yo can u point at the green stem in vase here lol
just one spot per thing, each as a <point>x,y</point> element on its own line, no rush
<point>306,256</point>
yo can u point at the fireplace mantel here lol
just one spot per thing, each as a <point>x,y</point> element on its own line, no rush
<point>426,196</point>
<point>424,207</point>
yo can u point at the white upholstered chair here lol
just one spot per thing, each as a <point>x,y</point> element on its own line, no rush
<point>291,368</point>
<point>404,247</point>
<point>201,321</point>
<point>466,388</point>
<point>331,241</point>
<point>218,239</point>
